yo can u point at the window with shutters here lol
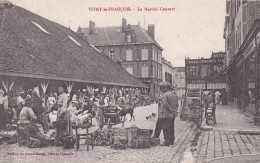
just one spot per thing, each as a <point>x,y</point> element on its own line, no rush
<point>129,55</point>
<point>152,69</point>
<point>129,69</point>
<point>128,38</point>
<point>155,54</point>
<point>144,54</point>
<point>159,57</point>
<point>144,71</point>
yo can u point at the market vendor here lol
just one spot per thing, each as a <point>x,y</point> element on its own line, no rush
<point>85,112</point>
<point>99,114</point>
<point>73,108</point>
<point>28,117</point>
<point>62,114</point>
<point>36,104</point>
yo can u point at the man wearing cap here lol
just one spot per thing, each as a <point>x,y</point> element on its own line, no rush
<point>167,111</point>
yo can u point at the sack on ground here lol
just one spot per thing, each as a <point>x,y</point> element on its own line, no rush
<point>36,143</point>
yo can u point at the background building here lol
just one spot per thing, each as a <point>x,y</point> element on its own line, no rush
<point>200,73</point>
<point>242,37</point>
<point>168,72</point>
<point>133,47</point>
<point>179,80</point>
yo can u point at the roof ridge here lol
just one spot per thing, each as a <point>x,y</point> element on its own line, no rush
<point>142,29</point>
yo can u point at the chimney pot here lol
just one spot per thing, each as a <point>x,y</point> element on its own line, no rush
<point>91,27</point>
<point>123,24</point>
<point>151,30</point>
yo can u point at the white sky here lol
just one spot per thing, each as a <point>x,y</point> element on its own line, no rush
<point>194,29</point>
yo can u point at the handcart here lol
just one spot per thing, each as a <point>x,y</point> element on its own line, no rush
<point>191,106</point>
<point>111,114</point>
<point>210,106</point>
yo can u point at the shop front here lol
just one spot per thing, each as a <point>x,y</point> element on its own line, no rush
<point>243,75</point>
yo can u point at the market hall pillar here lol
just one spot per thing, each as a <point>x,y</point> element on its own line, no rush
<point>257,115</point>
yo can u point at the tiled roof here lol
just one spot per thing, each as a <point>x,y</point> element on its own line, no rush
<point>33,46</point>
<point>114,36</point>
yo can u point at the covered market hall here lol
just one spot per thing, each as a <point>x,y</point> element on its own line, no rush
<point>41,55</point>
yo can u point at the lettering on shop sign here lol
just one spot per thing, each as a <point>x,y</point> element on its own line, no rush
<point>206,61</point>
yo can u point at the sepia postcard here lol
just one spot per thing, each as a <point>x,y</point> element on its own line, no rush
<point>120,81</point>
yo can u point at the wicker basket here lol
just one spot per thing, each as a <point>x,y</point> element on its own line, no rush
<point>60,124</point>
<point>132,132</point>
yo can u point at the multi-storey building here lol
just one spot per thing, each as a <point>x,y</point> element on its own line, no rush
<point>242,37</point>
<point>168,72</point>
<point>133,47</point>
<point>199,73</point>
<point>179,80</point>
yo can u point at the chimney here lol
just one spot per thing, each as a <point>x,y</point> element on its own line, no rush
<point>151,30</point>
<point>91,27</point>
<point>123,24</point>
<point>79,29</point>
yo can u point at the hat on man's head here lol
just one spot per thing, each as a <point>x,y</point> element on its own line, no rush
<point>74,99</point>
<point>84,90</point>
<point>165,84</point>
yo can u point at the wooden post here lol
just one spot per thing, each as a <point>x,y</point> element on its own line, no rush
<point>256,83</point>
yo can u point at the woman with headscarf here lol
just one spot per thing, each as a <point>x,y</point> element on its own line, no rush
<point>28,117</point>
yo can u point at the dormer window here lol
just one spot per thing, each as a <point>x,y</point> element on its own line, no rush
<point>112,54</point>
<point>129,37</point>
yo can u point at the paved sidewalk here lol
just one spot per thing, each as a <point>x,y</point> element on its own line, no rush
<point>255,158</point>
<point>231,118</point>
<point>232,138</point>
<point>215,144</point>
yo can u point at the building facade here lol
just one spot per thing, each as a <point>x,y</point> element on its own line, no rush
<point>242,37</point>
<point>131,46</point>
<point>200,73</point>
<point>179,80</point>
<point>168,72</point>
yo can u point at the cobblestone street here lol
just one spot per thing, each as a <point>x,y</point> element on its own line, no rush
<point>183,134</point>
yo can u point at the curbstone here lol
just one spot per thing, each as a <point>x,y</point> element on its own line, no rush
<point>234,131</point>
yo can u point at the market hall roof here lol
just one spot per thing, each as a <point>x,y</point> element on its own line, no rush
<point>32,46</point>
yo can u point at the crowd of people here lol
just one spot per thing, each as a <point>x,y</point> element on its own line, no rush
<point>41,112</point>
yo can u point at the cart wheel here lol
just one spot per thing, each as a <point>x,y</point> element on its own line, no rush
<point>109,123</point>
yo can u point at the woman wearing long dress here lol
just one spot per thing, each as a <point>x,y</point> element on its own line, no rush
<point>62,114</point>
